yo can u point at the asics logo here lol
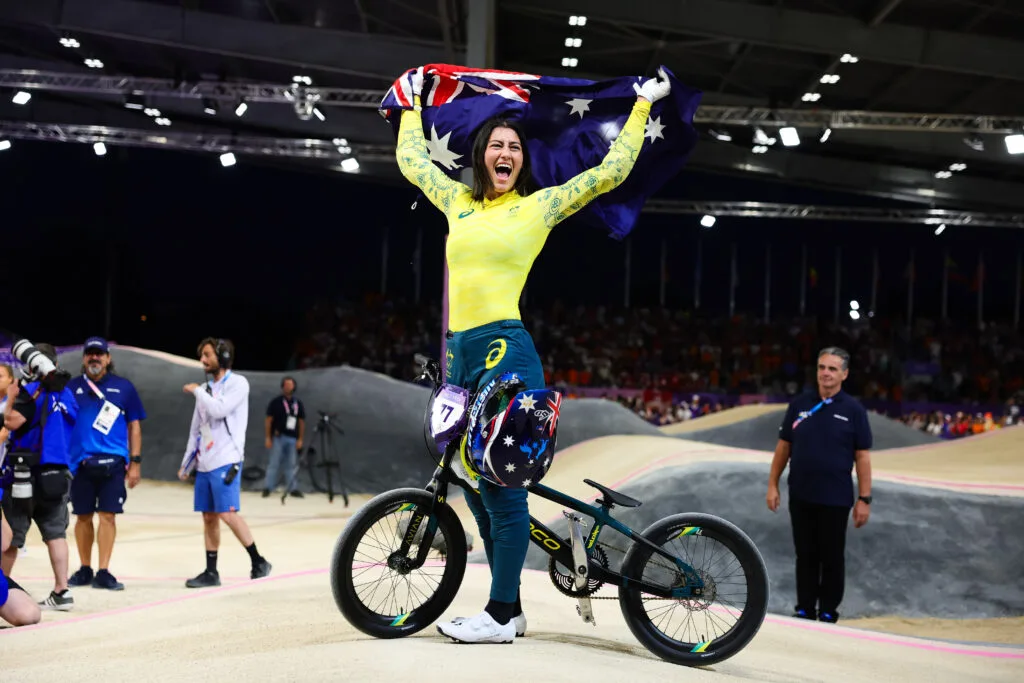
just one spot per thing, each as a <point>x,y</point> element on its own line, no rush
<point>466,213</point>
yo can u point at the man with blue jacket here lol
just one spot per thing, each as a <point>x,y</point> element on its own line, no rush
<point>106,454</point>
<point>40,422</point>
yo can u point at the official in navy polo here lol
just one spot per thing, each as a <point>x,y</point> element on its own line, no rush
<point>824,436</point>
<point>105,455</point>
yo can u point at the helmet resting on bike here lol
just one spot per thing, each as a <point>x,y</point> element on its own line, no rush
<point>511,432</point>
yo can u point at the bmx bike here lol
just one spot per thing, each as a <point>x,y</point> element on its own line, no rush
<point>692,587</point>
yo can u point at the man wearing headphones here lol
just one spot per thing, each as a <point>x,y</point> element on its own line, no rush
<point>215,451</point>
<point>285,428</point>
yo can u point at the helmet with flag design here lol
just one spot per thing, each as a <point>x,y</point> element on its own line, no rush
<point>511,433</point>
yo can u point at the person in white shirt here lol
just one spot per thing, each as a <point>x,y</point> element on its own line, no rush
<point>215,452</point>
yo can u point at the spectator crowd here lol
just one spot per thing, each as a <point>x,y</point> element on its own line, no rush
<point>674,356</point>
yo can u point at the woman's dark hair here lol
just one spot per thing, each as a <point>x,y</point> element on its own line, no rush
<point>481,176</point>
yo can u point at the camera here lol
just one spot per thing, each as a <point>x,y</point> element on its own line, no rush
<point>21,488</point>
<point>40,368</point>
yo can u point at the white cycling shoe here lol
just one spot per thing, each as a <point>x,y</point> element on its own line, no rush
<point>519,620</point>
<point>479,629</point>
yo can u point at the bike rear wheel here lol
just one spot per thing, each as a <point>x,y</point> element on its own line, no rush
<point>703,630</point>
<point>372,582</point>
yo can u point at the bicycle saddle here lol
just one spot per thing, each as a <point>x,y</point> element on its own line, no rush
<point>614,496</point>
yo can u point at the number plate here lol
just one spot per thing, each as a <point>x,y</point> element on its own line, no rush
<point>448,414</point>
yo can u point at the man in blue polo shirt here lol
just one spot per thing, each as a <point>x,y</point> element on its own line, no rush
<point>824,436</point>
<point>105,454</point>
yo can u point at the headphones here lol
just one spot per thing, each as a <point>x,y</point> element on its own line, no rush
<point>223,353</point>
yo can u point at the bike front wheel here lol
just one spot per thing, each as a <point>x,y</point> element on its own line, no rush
<point>377,582</point>
<point>696,631</point>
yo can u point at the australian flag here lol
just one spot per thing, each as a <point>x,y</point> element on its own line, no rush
<point>569,123</point>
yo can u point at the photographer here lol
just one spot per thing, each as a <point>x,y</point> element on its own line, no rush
<point>40,414</point>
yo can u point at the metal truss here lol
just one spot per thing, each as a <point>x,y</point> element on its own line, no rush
<point>311,148</point>
<point>836,213</point>
<point>296,94</point>
<point>298,148</point>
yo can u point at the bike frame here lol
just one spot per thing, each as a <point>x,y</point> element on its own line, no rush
<point>543,537</point>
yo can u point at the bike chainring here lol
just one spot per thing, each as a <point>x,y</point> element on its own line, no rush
<point>566,582</point>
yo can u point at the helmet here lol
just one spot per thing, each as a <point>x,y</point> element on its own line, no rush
<point>511,434</point>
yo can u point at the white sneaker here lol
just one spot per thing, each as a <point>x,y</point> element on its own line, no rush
<point>519,620</point>
<point>479,629</point>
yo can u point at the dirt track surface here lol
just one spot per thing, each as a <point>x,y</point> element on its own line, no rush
<point>287,628</point>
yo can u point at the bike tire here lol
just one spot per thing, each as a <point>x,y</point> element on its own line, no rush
<point>754,571</point>
<point>342,581</point>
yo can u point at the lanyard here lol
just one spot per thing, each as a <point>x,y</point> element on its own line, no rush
<point>95,388</point>
<point>288,407</point>
<point>210,385</point>
<point>803,416</point>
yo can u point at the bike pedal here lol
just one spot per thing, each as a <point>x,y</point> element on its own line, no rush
<point>586,612</point>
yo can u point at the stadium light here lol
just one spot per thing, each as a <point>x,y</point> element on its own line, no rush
<point>319,114</point>
<point>825,135</point>
<point>5,144</point>
<point>854,305</point>
<point>240,109</point>
<point>789,136</point>
<point>707,221</point>
<point>854,315</point>
<point>349,165</point>
<point>94,63</point>
<point>227,159</point>
<point>939,230</point>
<point>21,97</point>
<point>1015,144</point>
<point>100,149</point>
<point>847,58</point>
<point>210,106</point>
<point>70,43</point>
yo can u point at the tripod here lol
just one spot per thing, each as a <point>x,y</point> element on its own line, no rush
<point>323,433</point>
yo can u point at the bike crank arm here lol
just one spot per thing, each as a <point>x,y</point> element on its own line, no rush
<point>581,566</point>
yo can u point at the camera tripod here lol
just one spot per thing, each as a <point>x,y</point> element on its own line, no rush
<point>323,433</point>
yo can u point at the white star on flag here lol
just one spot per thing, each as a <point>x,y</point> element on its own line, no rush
<point>547,461</point>
<point>527,403</point>
<point>527,482</point>
<point>509,441</point>
<point>654,128</point>
<point>579,106</point>
<point>510,467</point>
<point>439,151</point>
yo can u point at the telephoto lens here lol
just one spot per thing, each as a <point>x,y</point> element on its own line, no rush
<point>38,364</point>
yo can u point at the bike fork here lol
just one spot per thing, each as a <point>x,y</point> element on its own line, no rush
<point>580,569</point>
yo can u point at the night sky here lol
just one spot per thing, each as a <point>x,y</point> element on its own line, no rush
<point>242,252</point>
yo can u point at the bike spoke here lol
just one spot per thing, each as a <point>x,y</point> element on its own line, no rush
<point>381,588</point>
<point>698,619</point>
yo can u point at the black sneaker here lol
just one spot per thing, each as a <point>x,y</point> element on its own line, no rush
<point>804,614</point>
<point>260,569</point>
<point>296,494</point>
<point>204,580</point>
<point>60,602</point>
<point>829,617</point>
<point>83,577</point>
<point>266,493</point>
<point>104,579</point>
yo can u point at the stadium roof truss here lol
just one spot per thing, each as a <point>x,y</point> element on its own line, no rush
<point>916,96</point>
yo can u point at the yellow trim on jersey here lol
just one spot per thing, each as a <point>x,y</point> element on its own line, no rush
<point>492,244</point>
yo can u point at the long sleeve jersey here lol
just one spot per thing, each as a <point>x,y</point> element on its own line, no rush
<point>492,244</point>
<point>226,411</point>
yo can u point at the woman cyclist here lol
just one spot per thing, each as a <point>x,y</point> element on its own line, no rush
<point>496,229</point>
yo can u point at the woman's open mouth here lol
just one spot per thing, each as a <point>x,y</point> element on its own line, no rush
<point>503,171</point>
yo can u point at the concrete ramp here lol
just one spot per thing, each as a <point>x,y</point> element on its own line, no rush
<point>923,553</point>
